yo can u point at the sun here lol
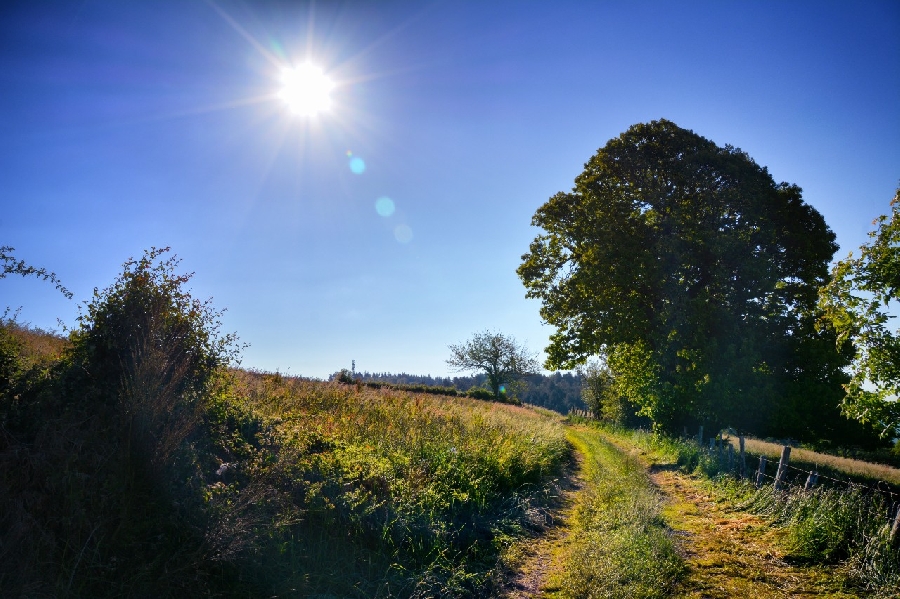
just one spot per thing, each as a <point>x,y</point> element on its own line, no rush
<point>306,90</point>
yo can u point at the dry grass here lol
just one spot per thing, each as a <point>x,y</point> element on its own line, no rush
<point>849,466</point>
<point>735,554</point>
<point>36,346</point>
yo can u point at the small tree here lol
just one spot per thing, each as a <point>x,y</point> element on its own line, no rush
<point>504,360</point>
<point>855,304</point>
<point>599,392</point>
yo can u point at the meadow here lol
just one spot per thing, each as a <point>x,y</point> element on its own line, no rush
<point>282,486</point>
<point>137,459</point>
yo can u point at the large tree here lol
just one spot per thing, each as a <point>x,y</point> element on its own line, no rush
<point>689,269</point>
<point>857,305</point>
<point>503,359</point>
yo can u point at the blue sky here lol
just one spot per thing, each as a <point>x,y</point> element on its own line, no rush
<point>125,125</point>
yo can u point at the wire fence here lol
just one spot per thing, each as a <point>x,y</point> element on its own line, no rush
<point>784,477</point>
<point>787,478</point>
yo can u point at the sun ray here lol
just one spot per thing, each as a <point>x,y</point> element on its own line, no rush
<point>246,35</point>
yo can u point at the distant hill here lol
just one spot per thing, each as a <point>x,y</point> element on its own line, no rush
<point>558,391</point>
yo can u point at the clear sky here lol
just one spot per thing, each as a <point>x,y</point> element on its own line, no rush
<point>125,125</point>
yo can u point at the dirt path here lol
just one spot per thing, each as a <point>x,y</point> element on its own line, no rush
<point>730,553</point>
<point>538,559</point>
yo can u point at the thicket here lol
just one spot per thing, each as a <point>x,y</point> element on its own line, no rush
<point>97,454</point>
<point>137,460</point>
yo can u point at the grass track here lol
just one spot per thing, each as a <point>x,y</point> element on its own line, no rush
<point>728,553</point>
<point>638,527</point>
<point>619,545</point>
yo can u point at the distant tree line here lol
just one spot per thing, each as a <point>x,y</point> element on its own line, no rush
<point>559,391</point>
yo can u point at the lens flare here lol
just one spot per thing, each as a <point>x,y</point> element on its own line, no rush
<point>357,165</point>
<point>384,206</point>
<point>403,233</point>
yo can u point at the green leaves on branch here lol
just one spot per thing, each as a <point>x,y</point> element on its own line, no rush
<point>688,268</point>
<point>11,266</point>
<point>504,360</point>
<point>856,304</point>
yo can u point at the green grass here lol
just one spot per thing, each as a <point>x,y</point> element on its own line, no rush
<point>830,525</point>
<point>281,487</point>
<point>620,545</point>
<point>426,491</point>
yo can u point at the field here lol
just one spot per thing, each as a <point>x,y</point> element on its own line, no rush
<point>267,485</point>
<point>851,467</point>
<point>274,486</point>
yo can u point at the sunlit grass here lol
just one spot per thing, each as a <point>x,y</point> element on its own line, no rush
<point>836,525</point>
<point>849,466</point>
<point>424,491</point>
<point>620,546</point>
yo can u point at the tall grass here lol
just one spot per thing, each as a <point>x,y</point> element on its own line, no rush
<point>430,490</point>
<point>134,463</point>
<point>620,545</point>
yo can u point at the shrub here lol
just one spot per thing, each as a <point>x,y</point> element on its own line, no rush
<point>150,349</point>
<point>479,393</point>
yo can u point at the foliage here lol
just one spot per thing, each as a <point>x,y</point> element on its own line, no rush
<point>690,270</point>
<point>856,305</point>
<point>11,266</point>
<point>149,348</point>
<point>604,398</point>
<point>99,445</point>
<point>505,361</point>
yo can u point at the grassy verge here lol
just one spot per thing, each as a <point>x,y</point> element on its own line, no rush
<point>841,526</point>
<point>620,546</point>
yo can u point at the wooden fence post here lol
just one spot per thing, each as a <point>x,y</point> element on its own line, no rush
<point>782,466</point>
<point>730,457</point>
<point>743,464</point>
<point>811,480</point>
<point>761,471</point>
<point>700,437</point>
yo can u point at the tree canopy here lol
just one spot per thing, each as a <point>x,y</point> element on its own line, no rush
<point>856,306</point>
<point>689,270</point>
<point>503,359</point>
